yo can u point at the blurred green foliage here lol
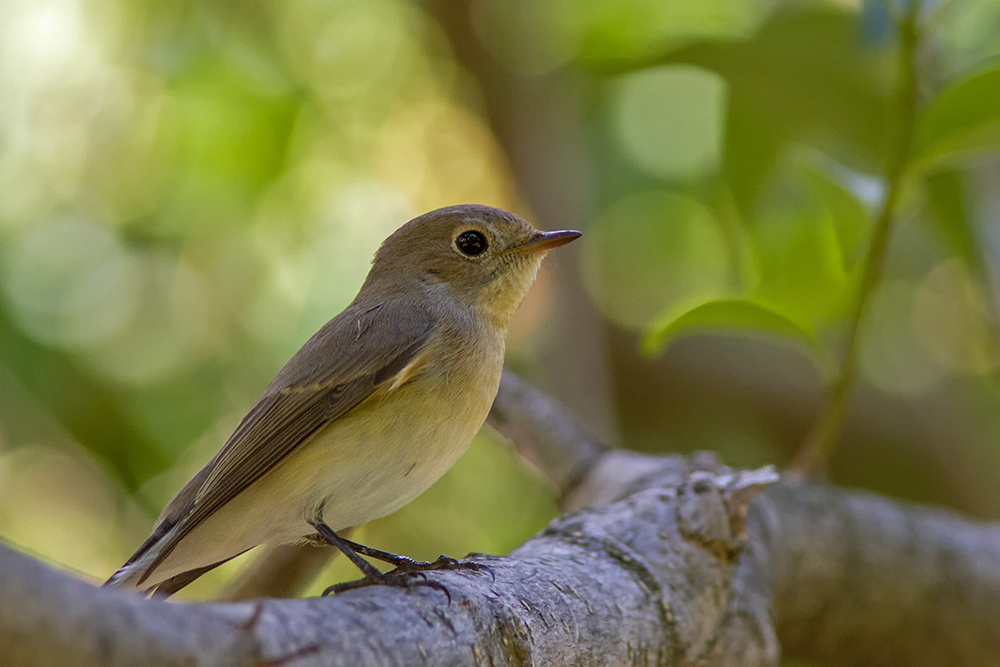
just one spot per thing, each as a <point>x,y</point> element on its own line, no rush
<point>189,190</point>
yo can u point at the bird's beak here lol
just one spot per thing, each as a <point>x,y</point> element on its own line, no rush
<point>545,241</point>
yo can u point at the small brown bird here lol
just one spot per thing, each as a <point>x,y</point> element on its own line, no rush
<point>371,411</point>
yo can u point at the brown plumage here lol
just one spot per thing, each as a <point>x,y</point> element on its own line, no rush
<point>372,410</point>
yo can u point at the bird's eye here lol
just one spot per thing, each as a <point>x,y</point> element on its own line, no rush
<point>471,243</point>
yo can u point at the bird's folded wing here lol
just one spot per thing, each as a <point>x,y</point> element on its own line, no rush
<point>343,364</point>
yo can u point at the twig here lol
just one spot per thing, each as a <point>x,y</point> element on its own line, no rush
<point>822,440</point>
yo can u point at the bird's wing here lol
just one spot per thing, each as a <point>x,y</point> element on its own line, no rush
<point>343,364</point>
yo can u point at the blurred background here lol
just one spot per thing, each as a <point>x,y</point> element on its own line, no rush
<point>189,190</point>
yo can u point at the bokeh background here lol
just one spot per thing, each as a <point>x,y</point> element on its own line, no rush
<point>188,190</point>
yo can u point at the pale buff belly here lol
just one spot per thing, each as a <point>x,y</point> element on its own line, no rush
<point>368,464</point>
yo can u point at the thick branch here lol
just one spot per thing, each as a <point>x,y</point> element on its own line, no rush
<point>647,580</point>
<point>858,579</point>
<point>851,578</point>
<point>660,571</point>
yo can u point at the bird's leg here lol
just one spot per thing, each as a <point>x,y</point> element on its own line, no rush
<point>371,573</point>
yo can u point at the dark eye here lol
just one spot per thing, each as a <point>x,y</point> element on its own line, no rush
<point>472,243</point>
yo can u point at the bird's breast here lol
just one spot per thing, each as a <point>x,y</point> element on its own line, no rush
<point>391,448</point>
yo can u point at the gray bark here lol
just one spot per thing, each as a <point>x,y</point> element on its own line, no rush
<point>659,563</point>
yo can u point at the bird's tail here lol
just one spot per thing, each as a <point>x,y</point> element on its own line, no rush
<point>127,577</point>
<point>132,575</point>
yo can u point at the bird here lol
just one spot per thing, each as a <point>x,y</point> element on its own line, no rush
<point>373,409</point>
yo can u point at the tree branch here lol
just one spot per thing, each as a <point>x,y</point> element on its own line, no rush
<point>666,566</point>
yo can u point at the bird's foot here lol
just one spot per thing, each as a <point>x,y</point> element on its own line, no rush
<point>409,572</point>
<point>392,578</point>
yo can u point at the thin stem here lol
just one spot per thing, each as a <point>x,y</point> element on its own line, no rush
<point>822,439</point>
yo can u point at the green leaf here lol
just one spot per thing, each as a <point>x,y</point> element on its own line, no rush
<point>946,196</point>
<point>962,119</point>
<point>846,195</point>
<point>727,314</point>
<point>803,272</point>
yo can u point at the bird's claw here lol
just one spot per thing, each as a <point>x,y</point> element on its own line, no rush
<point>393,578</point>
<point>402,576</point>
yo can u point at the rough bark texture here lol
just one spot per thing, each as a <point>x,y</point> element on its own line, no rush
<point>643,581</point>
<point>665,566</point>
<point>858,580</point>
